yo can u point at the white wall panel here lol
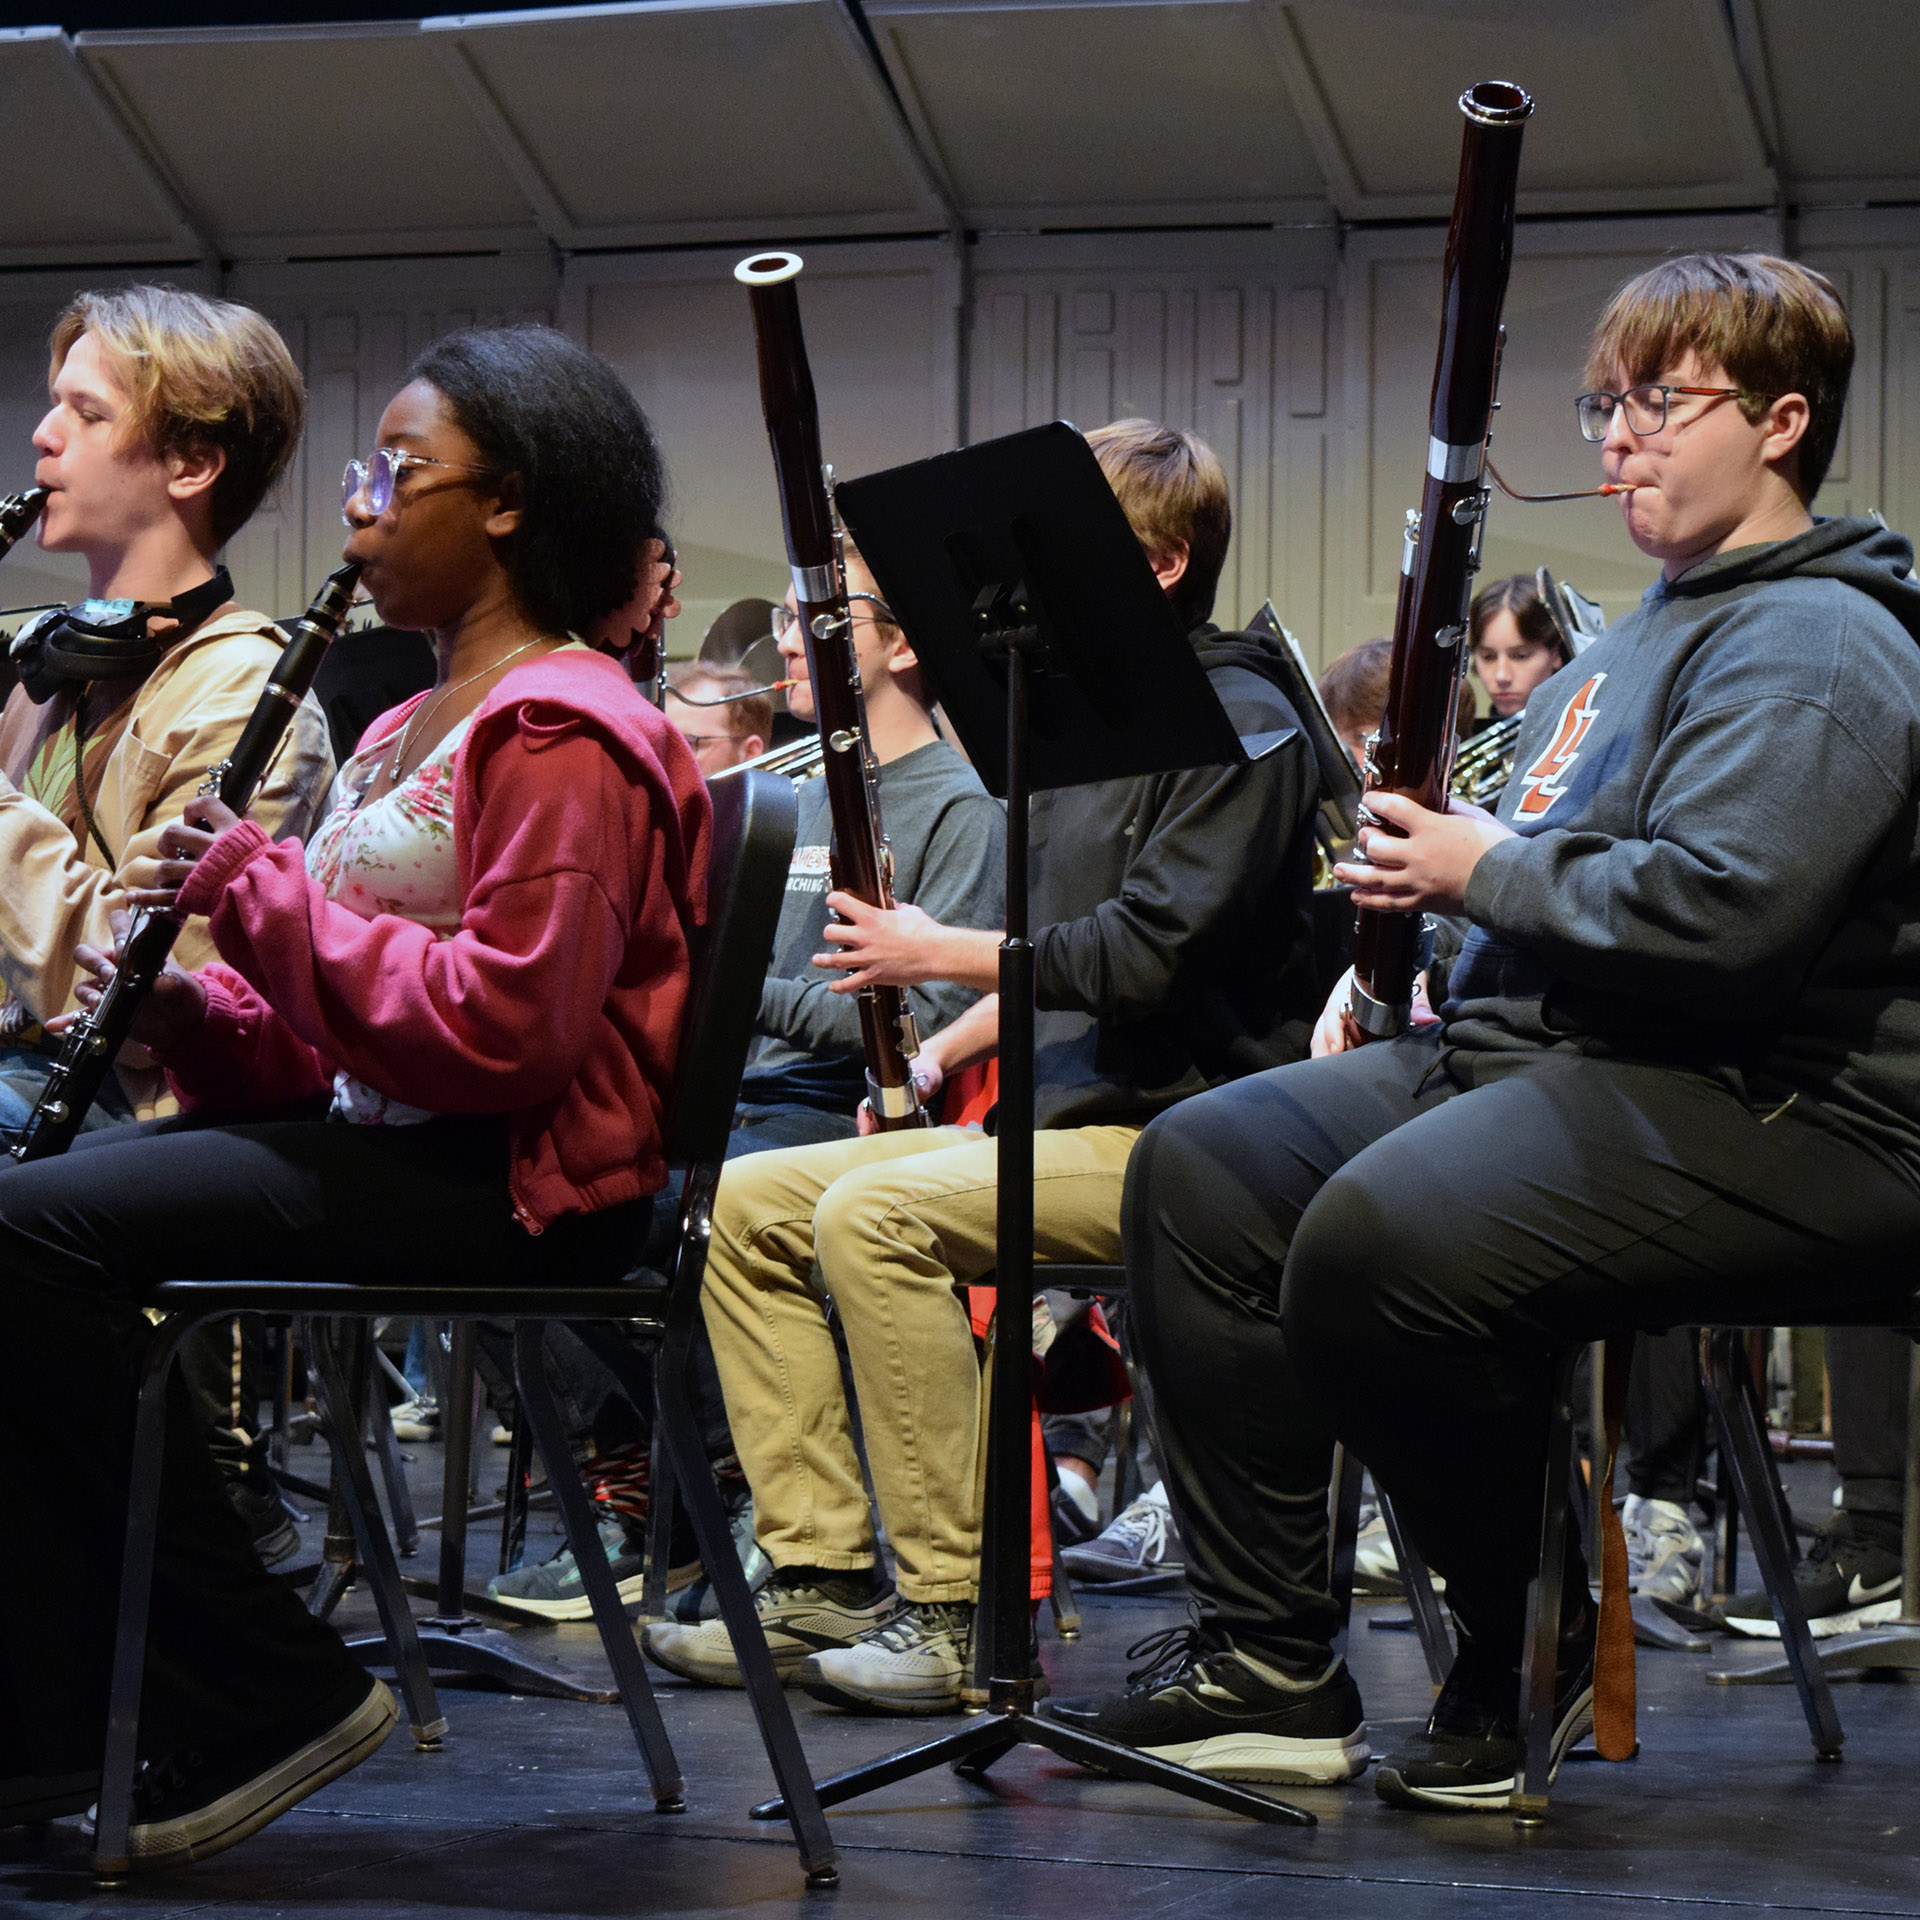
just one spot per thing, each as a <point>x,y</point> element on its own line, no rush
<point>881,326</point>
<point>1180,328</point>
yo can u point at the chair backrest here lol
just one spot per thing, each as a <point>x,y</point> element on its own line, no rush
<point>755,818</point>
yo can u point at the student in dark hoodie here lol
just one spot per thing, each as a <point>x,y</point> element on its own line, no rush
<point>1676,1079</point>
<point>1173,953</point>
<point>460,1001</point>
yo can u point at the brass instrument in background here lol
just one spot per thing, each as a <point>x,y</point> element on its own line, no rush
<point>1482,768</point>
<point>1484,765</point>
<point>798,759</point>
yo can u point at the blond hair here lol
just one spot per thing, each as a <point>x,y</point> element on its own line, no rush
<point>200,374</point>
<point>1173,491</point>
<point>1775,326</point>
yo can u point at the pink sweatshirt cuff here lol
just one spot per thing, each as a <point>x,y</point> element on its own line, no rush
<point>221,865</point>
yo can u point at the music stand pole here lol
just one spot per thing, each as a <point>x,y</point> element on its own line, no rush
<point>1005,1614</point>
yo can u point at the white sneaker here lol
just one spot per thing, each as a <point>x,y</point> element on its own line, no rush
<point>798,1619</point>
<point>912,1663</point>
<point>1376,1568</point>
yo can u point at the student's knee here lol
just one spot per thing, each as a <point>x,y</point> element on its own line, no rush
<point>1338,1304</point>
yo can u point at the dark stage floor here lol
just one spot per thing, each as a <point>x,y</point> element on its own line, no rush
<point>535,1807</point>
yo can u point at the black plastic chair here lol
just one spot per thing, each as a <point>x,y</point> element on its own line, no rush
<point>753,838</point>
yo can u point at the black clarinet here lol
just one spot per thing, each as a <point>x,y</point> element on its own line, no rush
<point>17,513</point>
<point>1413,751</point>
<point>861,860</point>
<point>92,1043</point>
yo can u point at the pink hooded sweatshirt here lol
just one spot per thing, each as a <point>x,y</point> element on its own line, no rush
<point>581,832</point>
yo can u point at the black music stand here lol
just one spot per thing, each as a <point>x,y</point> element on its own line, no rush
<point>1060,662</point>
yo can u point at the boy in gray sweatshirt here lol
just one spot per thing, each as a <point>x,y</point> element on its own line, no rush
<point>1676,1078</point>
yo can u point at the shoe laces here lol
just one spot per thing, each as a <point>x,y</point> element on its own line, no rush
<point>154,1780</point>
<point>919,1623</point>
<point>1141,1529</point>
<point>1165,1655</point>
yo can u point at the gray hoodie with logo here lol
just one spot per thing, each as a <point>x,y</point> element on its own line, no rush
<point>1719,861</point>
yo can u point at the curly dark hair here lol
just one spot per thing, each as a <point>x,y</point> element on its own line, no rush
<point>538,405</point>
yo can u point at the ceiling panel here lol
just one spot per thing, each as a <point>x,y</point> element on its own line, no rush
<point>632,125</point>
<point>1084,113</point>
<point>1639,104</point>
<point>1845,78</point>
<point>329,139</point>
<point>77,189</point>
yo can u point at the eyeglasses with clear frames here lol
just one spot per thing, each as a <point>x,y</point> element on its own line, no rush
<point>1646,407</point>
<point>380,476</point>
<point>785,619</point>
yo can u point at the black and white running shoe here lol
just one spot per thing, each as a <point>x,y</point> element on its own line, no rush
<point>1227,1713</point>
<point>1469,1760</point>
<point>1850,1579</point>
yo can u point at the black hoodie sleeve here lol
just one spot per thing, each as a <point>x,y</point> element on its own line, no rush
<point>1216,840</point>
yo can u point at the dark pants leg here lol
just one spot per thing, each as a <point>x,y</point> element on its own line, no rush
<point>1551,1199</point>
<point>1867,1375</point>
<point>1666,1418</point>
<point>1215,1193</point>
<point>232,1652</point>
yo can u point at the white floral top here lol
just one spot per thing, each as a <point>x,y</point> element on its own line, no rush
<point>393,855</point>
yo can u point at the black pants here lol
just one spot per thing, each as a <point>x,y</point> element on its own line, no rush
<point>1666,1417</point>
<point>596,1409</point>
<point>1867,1378</point>
<point>232,1652</point>
<point>1387,1246</point>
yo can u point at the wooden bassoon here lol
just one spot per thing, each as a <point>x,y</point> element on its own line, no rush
<point>92,1043</point>
<point>1413,751</point>
<point>861,860</point>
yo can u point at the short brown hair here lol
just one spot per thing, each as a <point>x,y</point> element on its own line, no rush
<point>1354,687</point>
<point>1518,595</point>
<point>199,374</point>
<point>710,683</point>
<point>1775,326</point>
<point>1174,493</point>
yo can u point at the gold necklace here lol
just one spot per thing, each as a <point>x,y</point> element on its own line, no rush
<point>406,734</point>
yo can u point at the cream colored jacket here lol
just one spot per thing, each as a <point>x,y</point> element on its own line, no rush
<point>56,892</point>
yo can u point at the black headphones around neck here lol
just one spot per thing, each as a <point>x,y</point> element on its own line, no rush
<point>107,639</point>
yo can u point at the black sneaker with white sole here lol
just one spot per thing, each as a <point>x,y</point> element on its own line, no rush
<point>29,1800</point>
<point>189,1806</point>
<point>1850,1579</point>
<point>1469,1759</point>
<point>1221,1711</point>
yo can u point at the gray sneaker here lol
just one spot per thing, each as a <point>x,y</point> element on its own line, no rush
<point>912,1663</point>
<point>1665,1553</point>
<point>798,1617</point>
<point>554,1590</point>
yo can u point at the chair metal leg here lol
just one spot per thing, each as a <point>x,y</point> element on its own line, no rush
<point>1423,1604</point>
<point>113,1815</point>
<point>1066,1610</point>
<point>515,1502</point>
<point>375,1549</point>
<point>1540,1665</point>
<point>393,1473</point>
<point>661,1495</point>
<point>1343,1535</point>
<point>583,1536</point>
<point>1743,1442</point>
<point>686,1458</point>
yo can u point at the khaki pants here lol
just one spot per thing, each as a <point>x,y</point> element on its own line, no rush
<point>895,1223</point>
